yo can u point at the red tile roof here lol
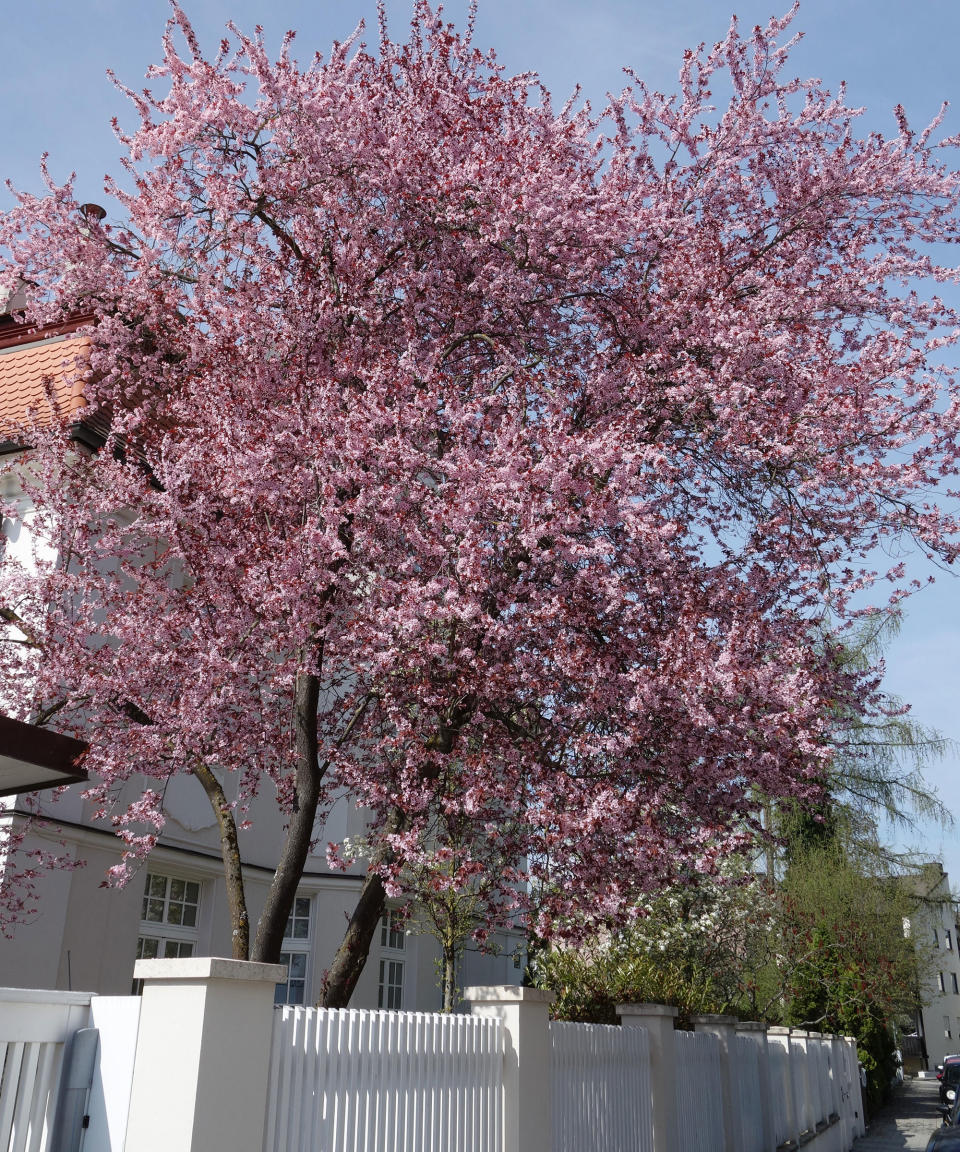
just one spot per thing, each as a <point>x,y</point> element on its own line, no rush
<point>33,375</point>
<point>39,370</point>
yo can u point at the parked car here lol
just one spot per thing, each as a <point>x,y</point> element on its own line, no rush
<point>948,1073</point>
<point>947,1137</point>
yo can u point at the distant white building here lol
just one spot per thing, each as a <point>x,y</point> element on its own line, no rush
<point>934,927</point>
<point>87,937</point>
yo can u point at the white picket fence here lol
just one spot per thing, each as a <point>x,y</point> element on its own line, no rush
<point>384,1082</point>
<point>34,1027</point>
<point>600,1088</point>
<point>501,1080</point>
<point>699,1097</point>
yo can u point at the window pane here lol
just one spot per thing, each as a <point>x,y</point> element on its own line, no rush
<point>298,965</point>
<point>176,889</point>
<point>295,992</point>
<point>157,885</point>
<point>301,929</point>
<point>154,911</point>
<point>189,916</point>
<point>171,949</point>
<point>193,892</point>
<point>301,906</point>
<point>147,948</point>
<point>174,913</point>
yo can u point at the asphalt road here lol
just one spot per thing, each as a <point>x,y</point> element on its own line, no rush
<point>906,1123</point>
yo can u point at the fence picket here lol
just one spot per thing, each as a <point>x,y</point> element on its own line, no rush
<point>13,1058</point>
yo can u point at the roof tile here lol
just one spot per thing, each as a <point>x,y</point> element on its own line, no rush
<point>32,375</point>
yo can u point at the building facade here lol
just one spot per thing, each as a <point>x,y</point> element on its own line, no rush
<point>935,930</point>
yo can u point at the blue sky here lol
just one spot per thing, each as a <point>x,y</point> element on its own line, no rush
<point>56,98</point>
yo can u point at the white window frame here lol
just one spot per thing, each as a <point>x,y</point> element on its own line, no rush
<point>390,984</point>
<point>392,932</point>
<point>296,945</point>
<point>391,970</point>
<point>172,940</point>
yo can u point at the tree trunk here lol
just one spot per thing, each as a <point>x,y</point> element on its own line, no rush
<point>352,954</point>
<point>344,972</point>
<point>449,977</point>
<point>232,866</point>
<point>296,846</point>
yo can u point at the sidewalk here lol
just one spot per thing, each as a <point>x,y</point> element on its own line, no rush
<point>907,1122</point>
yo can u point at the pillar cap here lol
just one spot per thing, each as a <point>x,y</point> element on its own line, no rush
<point>751,1026</point>
<point>647,1010</point>
<point>779,1030</point>
<point>208,968</point>
<point>713,1018</point>
<point>508,994</point>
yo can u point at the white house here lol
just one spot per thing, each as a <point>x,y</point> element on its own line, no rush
<point>934,927</point>
<point>85,936</point>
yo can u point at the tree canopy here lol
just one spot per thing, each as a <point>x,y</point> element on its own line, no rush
<point>469,451</point>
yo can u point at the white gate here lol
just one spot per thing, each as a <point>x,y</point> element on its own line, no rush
<point>34,1026</point>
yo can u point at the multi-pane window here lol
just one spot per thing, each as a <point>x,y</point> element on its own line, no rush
<point>390,992</point>
<point>295,954</point>
<point>168,920</point>
<point>168,900</point>
<point>156,948</point>
<point>392,940</point>
<point>391,929</point>
<point>953,981</point>
<point>294,988</point>
<point>298,922</point>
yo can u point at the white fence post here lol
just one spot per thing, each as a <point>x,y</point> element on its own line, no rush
<point>781,1036</point>
<point>800,1070</point>
<point>723,1028</point>
<point>658,1020</point>
<point>203,1055</point>
<point>756,1033</point>
<point>524,1015</point>
<point>856,1089</point>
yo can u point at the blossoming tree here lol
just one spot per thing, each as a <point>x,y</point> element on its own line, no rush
<point>467,451</point>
